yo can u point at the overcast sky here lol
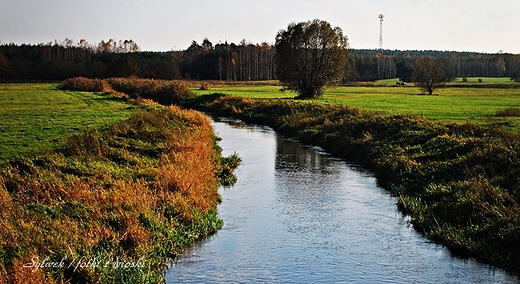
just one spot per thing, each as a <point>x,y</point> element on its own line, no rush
<point>460,25</point>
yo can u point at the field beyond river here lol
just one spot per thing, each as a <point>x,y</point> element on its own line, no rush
<point>494,101</point>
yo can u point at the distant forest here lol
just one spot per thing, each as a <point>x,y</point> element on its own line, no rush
<point>223,61</point>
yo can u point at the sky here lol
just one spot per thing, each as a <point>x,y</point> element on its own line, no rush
<point>488,26</point>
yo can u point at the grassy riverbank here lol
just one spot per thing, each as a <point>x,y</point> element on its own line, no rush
<point>113,204</point>
<point>481,104</point>
<point>459,182</point>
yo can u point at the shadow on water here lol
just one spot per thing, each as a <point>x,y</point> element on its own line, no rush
<point>298,215</point>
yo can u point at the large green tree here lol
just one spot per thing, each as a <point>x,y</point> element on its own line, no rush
<point>427,74</point>
<point>309,56</point>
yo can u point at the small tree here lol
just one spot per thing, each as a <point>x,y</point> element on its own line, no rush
<point>310,55</point>
<point>427,74</point>
<point>515,76</point>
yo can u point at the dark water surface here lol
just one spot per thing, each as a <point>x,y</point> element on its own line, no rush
<point>297,215</point>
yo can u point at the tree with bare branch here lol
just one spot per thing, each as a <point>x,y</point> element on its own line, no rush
<point>428,75</point>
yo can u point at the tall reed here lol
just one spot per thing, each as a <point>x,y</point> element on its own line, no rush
<point>162,91</point>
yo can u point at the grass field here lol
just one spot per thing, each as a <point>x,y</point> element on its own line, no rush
<point>36,117</point>
<point>478,105</point>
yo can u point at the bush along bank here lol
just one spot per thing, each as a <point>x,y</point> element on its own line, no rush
<point>460,183</point>
<point>164,92</point>
<point>114,205</point>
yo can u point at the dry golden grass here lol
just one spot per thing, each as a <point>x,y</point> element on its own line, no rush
<point>120,192</point>
<point>86,84</point>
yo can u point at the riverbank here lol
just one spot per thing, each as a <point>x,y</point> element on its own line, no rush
<point>481,105</point>
<point>459,182</point>
<point>112,205</point>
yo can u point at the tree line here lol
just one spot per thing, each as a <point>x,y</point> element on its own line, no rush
<point>62,60</point>
<point>228,61</point>
<point>400,64</point>
<point>244,61</point>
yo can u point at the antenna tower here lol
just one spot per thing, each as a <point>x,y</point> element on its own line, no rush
<point>381,16</point>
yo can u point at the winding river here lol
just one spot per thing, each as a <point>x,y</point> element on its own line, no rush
<point>298,215</point>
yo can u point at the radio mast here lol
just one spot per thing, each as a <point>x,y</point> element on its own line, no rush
<point>381,16</point>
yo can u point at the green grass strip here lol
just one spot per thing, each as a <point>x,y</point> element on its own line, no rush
<point>36,117</point>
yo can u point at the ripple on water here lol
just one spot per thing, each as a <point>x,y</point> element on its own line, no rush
<point>297,215</point>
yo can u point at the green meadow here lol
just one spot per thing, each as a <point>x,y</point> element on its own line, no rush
<point>453,103</point>
<point>35,117</point>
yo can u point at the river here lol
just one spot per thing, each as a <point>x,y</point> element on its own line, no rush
<point>298,215</point>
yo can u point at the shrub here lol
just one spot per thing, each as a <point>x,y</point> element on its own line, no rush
<point>204,86</point>
<point>510,111</point>
<point>162,91</point>
<point>85,84</point>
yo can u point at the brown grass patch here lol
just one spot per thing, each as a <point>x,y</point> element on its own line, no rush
<point>510,111</point>
<point>123,192</point>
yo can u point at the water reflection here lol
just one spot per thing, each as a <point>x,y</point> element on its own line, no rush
<point>296,215</point>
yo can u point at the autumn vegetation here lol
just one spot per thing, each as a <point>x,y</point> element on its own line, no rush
<point>458,181</point>
<point>136,192</point>
<point>165,92</point>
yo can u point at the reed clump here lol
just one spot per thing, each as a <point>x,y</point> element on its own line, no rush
<point>165,92</point>
<point>510,111</point>
<point>85,84</point>
<point>135,193</point>
<point>162,91</point>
